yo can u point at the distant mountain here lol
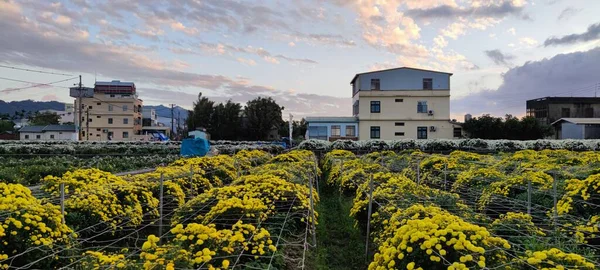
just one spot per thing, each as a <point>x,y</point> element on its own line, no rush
<point>29,105</point>
<point>165,111</point>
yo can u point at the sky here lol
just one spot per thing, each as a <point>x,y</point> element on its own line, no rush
<point>302,53</point>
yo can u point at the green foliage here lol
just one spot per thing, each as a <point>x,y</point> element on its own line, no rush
<point>6,125</point>
<point>263,115</point>
<point>201,113</point>
<point>45,118</point>
<point>489,127</point>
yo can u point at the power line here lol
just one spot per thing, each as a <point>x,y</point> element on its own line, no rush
<point>34,84</point>
<point>38,71</point>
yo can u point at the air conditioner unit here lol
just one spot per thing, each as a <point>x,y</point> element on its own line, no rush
<point>105,130</point>
<point>432,128</point>
<point>430,112</point>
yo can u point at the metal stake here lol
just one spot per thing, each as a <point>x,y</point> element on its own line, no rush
<point>445,175</point>
<point>62,201</point>
<point>191,180</point>
<point>555,214</point>
<point>529,197</point>
<point>370,209</point>
<point>160,208</point>
<point>312,212</point>
<point>418,171</point>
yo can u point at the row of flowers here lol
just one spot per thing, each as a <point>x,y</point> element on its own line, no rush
<point>434,145</point>
<point>217,207</point>
<point>418,224</point>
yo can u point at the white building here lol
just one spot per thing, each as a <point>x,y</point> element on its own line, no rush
<point>48,133</point>
<point>65,116</point>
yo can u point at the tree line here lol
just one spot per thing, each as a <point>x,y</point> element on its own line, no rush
<point>35,119</point>
<point>509,127</point>
<point>259,119</point>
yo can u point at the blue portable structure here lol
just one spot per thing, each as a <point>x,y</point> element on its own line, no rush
<point>159,136</point>
<point>194,147</point>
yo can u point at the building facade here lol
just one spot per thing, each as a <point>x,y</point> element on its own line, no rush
<point>332,128</point>
<point>403,103</point>
<point>113,112</point>
<point>577,128</point>
<point>550,109</point>
<point>48,133</point>
<point>66,116</point>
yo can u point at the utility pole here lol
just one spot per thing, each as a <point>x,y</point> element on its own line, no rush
<point>87,123</point>
<point>80,107</point>
<point>291,129</point>
<point>178,122</point>
<point>172,121</point>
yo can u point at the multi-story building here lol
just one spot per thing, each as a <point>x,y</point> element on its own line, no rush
<point>113,112</point>
<point>403,103</point>
<point>66,116</point>
<point>332,128</point>
<point>550,109</point>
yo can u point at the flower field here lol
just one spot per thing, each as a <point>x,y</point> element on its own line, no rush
<point>522,210</point>
<point>248,210</point>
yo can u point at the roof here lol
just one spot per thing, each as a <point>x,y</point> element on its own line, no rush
<point>60,128</point>
<point>40,129</point>
<point>35,129</point>
<point>358,74</point>
<point>591,100</point>
<point>115,83</point>
<point>579,121</point>
<point>331,119</point>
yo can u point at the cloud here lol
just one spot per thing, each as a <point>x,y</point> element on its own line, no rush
<point>567,13</point>
<point>291,44</point>
<point>528,41</point>
<point>231,50</point>
<point>499,58</point>
<point>326,39</point>
<point>440,42</point>
<point>592,33</point>
<point>493,36</point>
<point>248,62</point>
<point>572,74</point>
<point>50,97</point>
<point>512,31</point>
<point>492,10</point>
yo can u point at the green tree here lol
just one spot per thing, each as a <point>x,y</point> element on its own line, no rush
<point>511,128</point>
<point>200,115</point>
<point>6,125</point>
<point>45,118</point>
<point>263,115</point>
<point>225,121</point>
<point>299,129</point>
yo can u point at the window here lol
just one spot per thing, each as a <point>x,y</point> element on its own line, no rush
<point>110,120</point>
<point>350,131</point>
<point>589,112</point>
<point>399,100</point>
<point>38,136</point>
<point>52,136</point>
<point>112,95</point>
<point>110,135</point>
<point>82,118</point>
<point>457,132</point>
<point>355,108</point>
<point>125,134</point>
<point>110,107</point>
<point>125,121</point>
<point>98,103</point>
<point>124,108</point>
<point>375,132</point>
<point>97,116</point>
<point>318,133</point>
<point>375,85</point>
<point>375,106</point>
<point>90,119</point>
<point>565,112</point>
<point>399,124</point>
<point>90,107</point>
<point>421,132</point>
<point>336,131</point>
<point>91,134</point>
<point>427,84</point>
<point>422,107</point>
<point>26,136</point>
<point>97,135</point>
<point>97,129</point>
<point>399,133</point>
<point>83,134</point>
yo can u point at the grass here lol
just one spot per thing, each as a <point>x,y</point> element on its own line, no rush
<point>339,244</point>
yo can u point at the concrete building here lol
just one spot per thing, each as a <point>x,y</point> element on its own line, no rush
<point>468,117</point>
<point>332,128</point>
<point>48,133</point>
<point>403,103</point>
<point>577,128</point>
<point>66,116</point>
<point>112,112</point>
<point>550,109</point>
<point>149,117</point>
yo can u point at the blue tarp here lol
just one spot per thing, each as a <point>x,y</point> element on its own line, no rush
<point>194,147</point>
